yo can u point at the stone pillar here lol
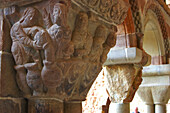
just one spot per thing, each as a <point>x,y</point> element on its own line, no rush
<point>155,87</point>
<point>149,108</point>
<point>119,108</point>
<point>160,108</point>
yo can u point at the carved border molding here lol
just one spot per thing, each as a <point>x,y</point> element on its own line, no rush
<point>109,11</point>
<point>154,7</point>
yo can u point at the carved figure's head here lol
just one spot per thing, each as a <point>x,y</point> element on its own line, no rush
<point>30,17</point>
<point>60,14</point>
<point>111,39</point>
<point>81,21</point>
<point>100,34</point>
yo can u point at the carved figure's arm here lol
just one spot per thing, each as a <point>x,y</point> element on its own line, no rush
<point>47,19</point>
<point>22,36</point>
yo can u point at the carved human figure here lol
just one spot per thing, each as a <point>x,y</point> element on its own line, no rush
<point>109,43</point>
<point>23,47</point>
<point>60,32</point>
<point>51,73</point>
<point>21,41</point>
<point>81,38</point>
<point>97,48</point>
<point>43,41</point>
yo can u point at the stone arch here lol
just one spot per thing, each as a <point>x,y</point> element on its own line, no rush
<point>153,9</point>
<point>153,41</point>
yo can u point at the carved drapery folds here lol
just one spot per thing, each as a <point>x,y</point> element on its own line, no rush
<point>58,55</point>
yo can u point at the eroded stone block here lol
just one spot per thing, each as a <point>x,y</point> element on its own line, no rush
<point>45,105</point>
<point>12,105</point>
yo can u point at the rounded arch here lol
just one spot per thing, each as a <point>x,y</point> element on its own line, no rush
<point>153,38</point>
<point>155,19</point>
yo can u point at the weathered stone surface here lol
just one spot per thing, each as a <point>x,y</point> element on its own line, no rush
<point>7,3</point>
<point>127,56</point>
<point>73,107</point>
<point>5,38</point>
<point>156,70</point>
<point>155,83</point>
<point>122,56</point>
<point>45,105</point>
<point>111,11</point>
<point>8,84</point>
<point>122,81</point>
<point>58,47</point>
<point>119,108</point>
<point>155,88</point>
<point>12,105</point>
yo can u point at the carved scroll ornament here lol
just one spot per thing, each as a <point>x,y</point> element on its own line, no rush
<point>111,11</point>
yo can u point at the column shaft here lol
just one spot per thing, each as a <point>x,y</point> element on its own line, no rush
<point>160,108</point>
<point>149,108</point>
<point>119,108</point>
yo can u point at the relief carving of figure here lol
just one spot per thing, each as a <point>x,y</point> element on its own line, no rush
<point>109,43</point>
<point>81,38</point>
<point>23,47</point>
<point>50,74</point>
<point>97,48</point>
<point>51,60</point>
<point>21,41</point>
<point>60,32</point>
<point>33,50</point>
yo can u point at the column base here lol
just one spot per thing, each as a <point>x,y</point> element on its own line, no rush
<point>45,105</point>
<point>119,108</point>
<point>12,105</point>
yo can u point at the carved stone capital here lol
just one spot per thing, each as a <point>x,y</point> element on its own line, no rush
<point>58,46</point>
<point>122,81</point>
<point>155,88</point>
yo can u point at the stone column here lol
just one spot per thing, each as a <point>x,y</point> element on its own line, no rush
<point>155,88</point>
<point>160,108</point>
<point>123,71</point>
<point>149,108</point>
<point>119,108</point>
